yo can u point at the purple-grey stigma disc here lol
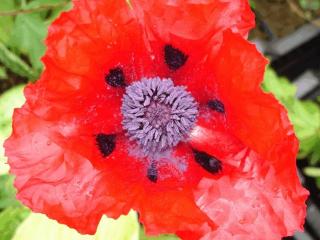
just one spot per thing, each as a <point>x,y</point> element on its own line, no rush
<point>157,114</point>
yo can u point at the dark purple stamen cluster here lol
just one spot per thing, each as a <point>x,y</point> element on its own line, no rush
<point>157,114</point>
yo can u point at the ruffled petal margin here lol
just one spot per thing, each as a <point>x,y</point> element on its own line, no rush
<point>262,196</point>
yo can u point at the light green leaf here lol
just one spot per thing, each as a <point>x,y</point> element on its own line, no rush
<point>27,37</point>
<point>312,171</point>
<point>9,100</point>
<point>305,115</point>
<point>14,63</point>
<point>7,192</point>
<point>279,86</point>
<point>39,227</point>
<point>10,219</point>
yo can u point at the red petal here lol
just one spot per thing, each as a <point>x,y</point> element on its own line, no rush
<point>193,19</point>
<point>247,208</point>
<point>211,135</point>
<point>194,27</point>
<point>166,206</point>
<point>253,116</point>
<point>53,133</point>
<point>54,179</point>
<point>253,195</point>
<point>263,195</point>
<point>93,38</point>
<point>59,170</point>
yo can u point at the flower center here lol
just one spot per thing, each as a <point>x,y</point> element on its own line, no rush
<point>157,114</point>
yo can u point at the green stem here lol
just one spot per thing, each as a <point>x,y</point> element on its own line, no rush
<point>32,10</point>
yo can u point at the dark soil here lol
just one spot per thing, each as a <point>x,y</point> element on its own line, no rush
<point>278,16</point>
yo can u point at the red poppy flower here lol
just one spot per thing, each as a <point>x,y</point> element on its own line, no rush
<point>156,106</point>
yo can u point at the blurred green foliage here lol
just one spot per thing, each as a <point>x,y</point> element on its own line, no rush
<point>310,4</point>
<point>8,101</point>
<point>7,193</point>
<point>305,116</point>
<point>38,227</point>
<point>10,219</point>
<point>23,28</point>
<point>143,236</point>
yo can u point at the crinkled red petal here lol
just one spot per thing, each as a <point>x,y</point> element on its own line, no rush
<point>252,195</point>
<point>164,206</point>
<point>195,28</point>
<point>249,207</point>
<point>193,19</point>
<point>60,170</point>
<point>55,179</point>
<point>53,141</point>
<point>263,189</point>
<point>255,117</point>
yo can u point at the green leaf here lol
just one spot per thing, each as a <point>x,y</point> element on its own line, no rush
<point>39,227</point>
<point>279,86</point>
<point>14,63</point>
<point>3,73</point>
<point>27,37</point>
<point>143,236</point>
<point>252,4</point>
<point>318,182</point>
<point>10,219</point>
<point>7,192</point>
<point>305,115</point>
<point>57,11</point>
<point>52,2</point>
<point>6,22</point>
<point>310,4</point>
<point>50,8</point>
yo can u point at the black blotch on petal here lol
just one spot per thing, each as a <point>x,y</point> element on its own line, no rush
<point>208,162</point>
<point>152,173</point>
<point>106,143</point>
<point>115,77</point>
<point>216,105</point>
<point>174,58</point>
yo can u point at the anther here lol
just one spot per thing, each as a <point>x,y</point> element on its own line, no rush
<point>115,77</point>
<point>106,143</point>
<point>174,58</point>
<point>208,162</point>
<point>152,172</point>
